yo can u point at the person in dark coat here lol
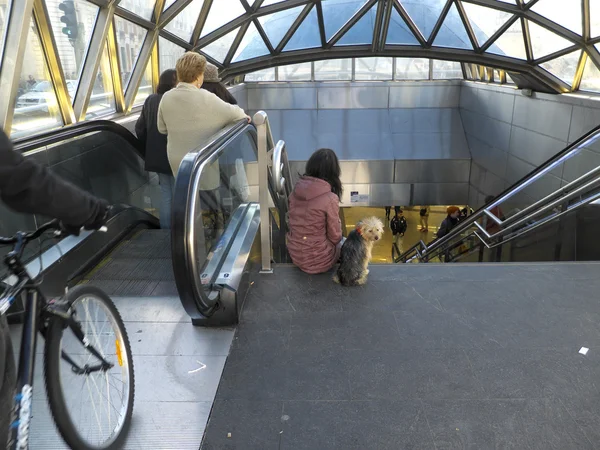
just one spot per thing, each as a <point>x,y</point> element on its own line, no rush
<point>212,83</point>
<point>155,145</point>
<point>30,188</point>
<point>449,222</point>
<point>398,226</point>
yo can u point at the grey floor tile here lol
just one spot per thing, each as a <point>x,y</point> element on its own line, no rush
<point>151,309</point>
<point>244,425</point>
<point>585,411</point>
<point>520,424</point>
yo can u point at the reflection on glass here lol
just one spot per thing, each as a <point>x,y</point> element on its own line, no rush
<point>595,18</point>
<point>143,8</point>
<point>221,12</point>
<point>168,53</point>
<point>130,38</point>
<point>333,69</point>
<point>307,35</point>
<point>261,75</point>
<point>412,69</point>
<point>168,3</point>
<point>36,107</point>
<point>564,67</point>
<point>362,31</point>
<point>424,13</point>
<point>453,32</point>
<point>218,49</point>
<point>377,68</point>
<point>443,70</point>
<point>252,45</point>
<point>183,24</point>
<point>510,43</point>
<point>337,12</point>
<point>102,100</point>
<point>4,4</point>
<point>295,72</point>
<point>277,24</point>
<point>72,41</point>
<point>591,77</point>
<point>485,21</point>
<point>545,42</point>
<point>558,11</point>
<point>398,31</point>
<point>145,88</point>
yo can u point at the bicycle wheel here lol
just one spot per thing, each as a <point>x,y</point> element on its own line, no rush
<point>91,410</point>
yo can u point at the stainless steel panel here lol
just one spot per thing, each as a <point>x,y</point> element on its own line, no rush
<point>492,184</point>
<point>533,147</point>
<point>582,121</point>
<point>489,158</point>
<point>298,122</point>
<point>473,197</point>
<point>477,176</point>
<point>517,169</point>
<point>432,171</point>
<point>440,193</point>
<point>431,146</point>
<point>549,118</point>
<point>378,194</point>
<point>367,172</point>
<point>580,164</point>
<point>468,97</point>
<point>497,105</point>
<point>425,120</point>
<point>424,96</point>
<point>547,184</point>
<point>282,98</point>
<point>348,97</point>
<point>240,93</point>
<point>491,131</point>
<point>358,146</point>
<point>353,121</point>
<point>300,145</point>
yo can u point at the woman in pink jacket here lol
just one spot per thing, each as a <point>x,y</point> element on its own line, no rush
<point>315,236</point>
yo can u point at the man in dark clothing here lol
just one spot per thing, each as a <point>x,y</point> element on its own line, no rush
<point>30,188</point>
<point>398,226</point>
<point>449,222</point>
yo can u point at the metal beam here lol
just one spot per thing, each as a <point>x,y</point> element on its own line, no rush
<point>375,41</point>
<point>288,35</point>
<point>357,16</point>
<point>201,21</point>
<point>172,11</point>
<point>134,18</point>
<point>439,23</point>
<point>321,23</point>
<point>263,35</point>
<point>467,24</point>
<point>17,28</point>
<point>387,17</point>
<point>115,67</point>
<point>236,44</point>
<point>579,72</point>
<point>140,68</point>
<point>413,27</point>
<point>92,62</point>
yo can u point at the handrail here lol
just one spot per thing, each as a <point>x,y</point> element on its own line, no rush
<point>27,144</point>
<point>546,167</point>
<point>184,242</point>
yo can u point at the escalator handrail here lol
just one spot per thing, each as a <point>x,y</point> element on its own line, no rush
<point>507,193</point>
<point>30,143</point>
<point>186,263</point>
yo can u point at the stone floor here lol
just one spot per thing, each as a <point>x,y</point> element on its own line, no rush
<point>422,357</point>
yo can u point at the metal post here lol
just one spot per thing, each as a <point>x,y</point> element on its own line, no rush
<point>260,120</point>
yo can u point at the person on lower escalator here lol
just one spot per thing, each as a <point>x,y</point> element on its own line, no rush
<point>155,145</point>
<point>28,187</point>
<point>448,224</point>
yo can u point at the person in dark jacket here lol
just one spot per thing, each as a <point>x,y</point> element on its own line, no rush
<point>155,145</point>
<point>30,188</point>
<point>212,83</point>
<point>449,222</point>
<point>398,226</point>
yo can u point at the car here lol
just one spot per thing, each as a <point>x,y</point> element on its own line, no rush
<point>37,98</point>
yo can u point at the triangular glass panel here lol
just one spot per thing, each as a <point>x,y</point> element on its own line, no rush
<point>72,43</point>
<point>145,87</point>
<point>591,77</point>
<point>307,35</point>
<point>277,24</point>
<point>218,50</point>
<point>453,33</point>
<point>102,100</point>
<point>36,106</point>
<point>130,38</point>
<point>221,12</point>
<point>595,18</point>
<point>337,12</point>
<point>252,45</point>
<point>510,43</point>
<point>143,8</point>
<point>168,54</point>
<point>485,21</point>
<point>558,12</point>
<point>424,13</point>
<point>544,41</point>
<point>398,31</point>
<point>362,31</point>
<point>564,67</point>
<point>168,3</point>
<point>183,24</point>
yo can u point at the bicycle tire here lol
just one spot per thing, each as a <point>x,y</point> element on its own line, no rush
<point>52,361</point>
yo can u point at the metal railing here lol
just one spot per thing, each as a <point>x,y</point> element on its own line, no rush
<point>274,177</point>
<point>573,195</point>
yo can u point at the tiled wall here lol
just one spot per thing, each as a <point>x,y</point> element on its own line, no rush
<point>510,134</point>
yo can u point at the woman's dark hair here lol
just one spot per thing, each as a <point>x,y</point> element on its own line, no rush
<point>220,91</point>
<point>167,81</point>
<point>324,164</point>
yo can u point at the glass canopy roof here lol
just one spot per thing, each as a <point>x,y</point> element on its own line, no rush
<point>104,56</point>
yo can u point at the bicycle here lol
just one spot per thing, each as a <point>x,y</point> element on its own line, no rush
<point>73,348</point>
